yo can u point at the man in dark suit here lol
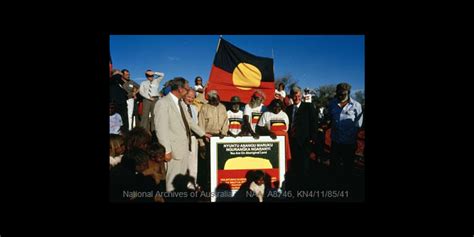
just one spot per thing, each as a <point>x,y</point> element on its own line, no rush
<point>118,96</point>
<point>302,132</point>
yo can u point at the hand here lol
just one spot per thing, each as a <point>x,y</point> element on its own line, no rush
<point>255,136</point>
<point>207,137</point>
<point>273,135</point>
<point>168,157</point>
<point>160,74</point>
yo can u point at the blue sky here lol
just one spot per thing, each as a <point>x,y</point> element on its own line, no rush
<point>312,60</point>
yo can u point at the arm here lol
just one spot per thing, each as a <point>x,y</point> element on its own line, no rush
<point>162,124</point>
<point>201,124</point>
<point>200,90</point>
<point>201,118</point>
<point>134,92</point>
<point>313,123</point>
<point>225,127</point>
<point>262,129</point>
<point>158,80</point>
<point>194,127</point>
<point>360,116</point>
<point>122,128</point>
<point>287,121</point>
<point>143,91</point>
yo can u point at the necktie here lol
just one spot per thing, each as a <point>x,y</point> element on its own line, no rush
<point>188,132</point>
<point>189,111</point>
<point>149,91</point>
<point>293,128</point>
<point>295,109</point>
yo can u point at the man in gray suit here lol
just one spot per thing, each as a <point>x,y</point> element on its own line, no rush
<point>173,129</point>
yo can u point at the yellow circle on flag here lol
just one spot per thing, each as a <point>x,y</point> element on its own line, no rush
<point>246,76</point>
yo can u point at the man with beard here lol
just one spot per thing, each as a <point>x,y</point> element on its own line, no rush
<point>346,119</point>
<point>132,89</point>
<point>253,111</point>
<point>213,120</point>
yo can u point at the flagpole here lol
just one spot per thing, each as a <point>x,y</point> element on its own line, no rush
<point>219,42</point>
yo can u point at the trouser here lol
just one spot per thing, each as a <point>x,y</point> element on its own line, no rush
<point>147,121</point>
<point>130,103</point>
<point>300,161</point>
<point>342,159</point>
<point>204,167</point>
<point>193,160</point>
<point>175,167</point>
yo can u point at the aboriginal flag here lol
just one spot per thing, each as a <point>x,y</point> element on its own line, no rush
<point>277,125</point>
<point>239,73</point>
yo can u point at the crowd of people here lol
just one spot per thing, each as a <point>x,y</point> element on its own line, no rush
<point>159,139</point>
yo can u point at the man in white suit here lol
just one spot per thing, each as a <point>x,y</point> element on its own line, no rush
<point>173,128</point>
<point>193,158</point>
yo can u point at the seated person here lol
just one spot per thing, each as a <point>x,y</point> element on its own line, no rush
<point>127,182</point>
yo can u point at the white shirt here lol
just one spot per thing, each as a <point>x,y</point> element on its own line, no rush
<point>345,121</point>
<point>149,89</point>
<point>115,123</point>
<point>296,106</point>
<point>255,112</point>
<point>193,112</point>
<point>274,122</point>
<point>113,161</point>
<point>259,190</point>
<point>196,87</point>
<point>321,112</point>
<point>282,93</point>
<point>175,100</point>
<point>235,121</point>
<point>307,98</point>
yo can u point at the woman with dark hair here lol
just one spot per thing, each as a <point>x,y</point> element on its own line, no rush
<point>280,91</point>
